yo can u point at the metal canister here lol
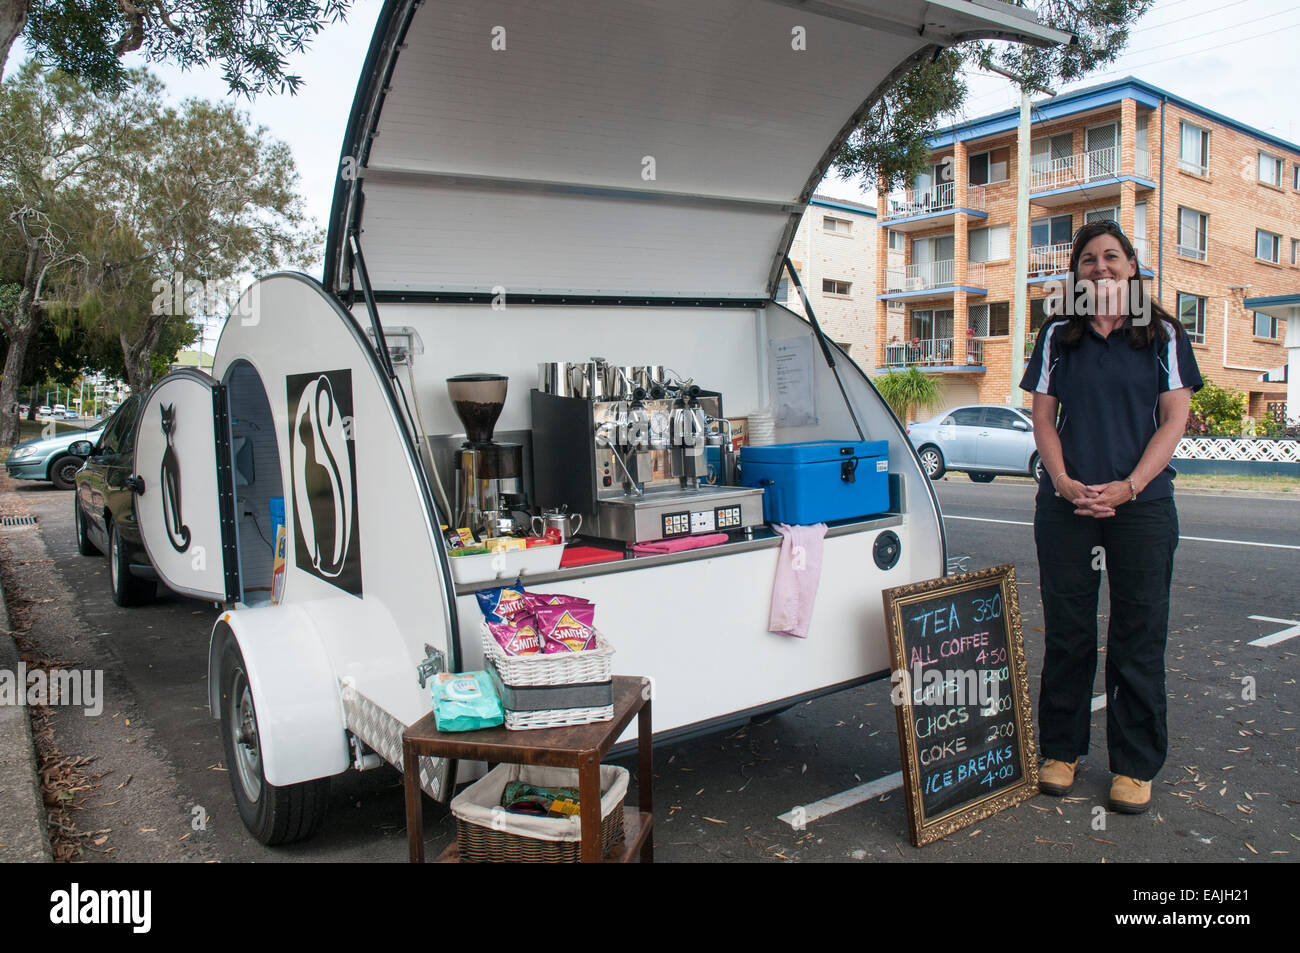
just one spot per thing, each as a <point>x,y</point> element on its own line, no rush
<point>553,378</point>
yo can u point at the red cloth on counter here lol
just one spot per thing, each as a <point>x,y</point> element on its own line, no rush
<point>679,544</point>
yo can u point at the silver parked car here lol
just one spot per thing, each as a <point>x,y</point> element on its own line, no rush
<point>49,458</point>
<point>981,439</point>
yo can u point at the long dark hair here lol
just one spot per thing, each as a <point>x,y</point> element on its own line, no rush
<point>1161,326</point>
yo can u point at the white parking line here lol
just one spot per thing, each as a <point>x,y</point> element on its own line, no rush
<point>807,813</point>
<point>1240,542</point>
<point>1277,637</point>
<point>1198,539</point>
<point>981,519</point>
<point>798,817</point>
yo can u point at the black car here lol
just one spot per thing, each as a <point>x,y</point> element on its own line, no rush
<point>104,508</point>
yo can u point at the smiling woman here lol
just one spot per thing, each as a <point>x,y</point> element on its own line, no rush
<point>1109,368</point>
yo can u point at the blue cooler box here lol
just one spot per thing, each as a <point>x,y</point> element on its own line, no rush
<point>819,481</point>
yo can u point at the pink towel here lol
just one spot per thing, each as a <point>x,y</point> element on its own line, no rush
<point>679,544</point>
<point>798,571</point>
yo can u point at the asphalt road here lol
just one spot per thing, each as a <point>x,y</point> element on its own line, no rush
<point>1228,791</point>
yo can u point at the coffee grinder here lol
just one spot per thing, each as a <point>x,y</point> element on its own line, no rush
<point>485,470</point>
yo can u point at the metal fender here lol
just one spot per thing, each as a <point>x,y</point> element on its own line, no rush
<point>295,692</point>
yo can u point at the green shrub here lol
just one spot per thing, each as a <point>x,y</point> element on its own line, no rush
<point>1216,412</point>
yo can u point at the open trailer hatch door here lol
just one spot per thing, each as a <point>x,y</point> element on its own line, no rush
<point>184,489</point>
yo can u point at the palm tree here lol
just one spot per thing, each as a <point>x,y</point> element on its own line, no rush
<point>905,390</point>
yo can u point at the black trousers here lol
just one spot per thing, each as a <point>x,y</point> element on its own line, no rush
<point>1135,548</point>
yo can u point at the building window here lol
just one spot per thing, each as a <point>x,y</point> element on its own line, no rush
<point>932,325</point>
<point>1268,246</point>
<point>1191,312</point>
<point>1194,149</point>
<point>987,168</point>
<point>837,226</point>
<point>1270,169</point>
<point>1193,227</point>
<point>990,244</point>
<point>1295,251</point>
<point>896,241</point>
<point>1295,176</point>
<point>832,287</point>
<point>894,305</point>
<point>1050,231</point>
<point>989,320</point>
<point>1050,152</point>
<point>1265,326</point>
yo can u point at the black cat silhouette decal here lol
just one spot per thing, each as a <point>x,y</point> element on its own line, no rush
<point>178,534</point>
<point>324,477</point>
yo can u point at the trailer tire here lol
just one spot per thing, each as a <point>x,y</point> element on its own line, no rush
<point>274,815</point>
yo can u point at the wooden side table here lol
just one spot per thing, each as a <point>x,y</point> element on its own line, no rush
<point>576,746</point>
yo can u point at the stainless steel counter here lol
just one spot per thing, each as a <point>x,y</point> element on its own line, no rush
<point>763,538</point>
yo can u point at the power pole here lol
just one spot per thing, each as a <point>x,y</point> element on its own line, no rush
<point>1021,295</point>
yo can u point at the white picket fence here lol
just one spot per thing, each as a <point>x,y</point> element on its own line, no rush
<point>1244,449</point>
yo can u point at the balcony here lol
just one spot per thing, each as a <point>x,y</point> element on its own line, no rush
<point>1060,181</point>
<point>1047,260</point>
<point>1081,168</point>
<point>915,209</point>
<point>931,275</point>
<point>934,352</point>
<point>1142,161</point>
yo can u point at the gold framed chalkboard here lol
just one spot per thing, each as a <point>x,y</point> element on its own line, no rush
<point>961,695</point>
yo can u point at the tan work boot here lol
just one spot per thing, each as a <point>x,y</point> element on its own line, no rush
<point>1056,777</point>
<point>1129,795</point>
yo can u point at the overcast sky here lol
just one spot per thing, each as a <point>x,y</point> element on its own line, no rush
<point>1236,57</point>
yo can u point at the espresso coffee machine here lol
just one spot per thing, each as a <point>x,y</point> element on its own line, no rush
<point>636,467</point>
<point>485,470</point>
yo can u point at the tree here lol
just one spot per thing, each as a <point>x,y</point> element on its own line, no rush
<point>890,144</point>
<point>905,390</point>
<point>202,205</point>
<point>88,38</point>
<point>57,141</point>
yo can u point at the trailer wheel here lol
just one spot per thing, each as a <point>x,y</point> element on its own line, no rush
<point>274,815</point>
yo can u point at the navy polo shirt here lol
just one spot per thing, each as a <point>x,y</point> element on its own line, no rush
<point>1110,394</point>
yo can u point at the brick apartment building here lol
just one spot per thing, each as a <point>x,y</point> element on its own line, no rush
<point>834,251</point>
<point>1212,207</point>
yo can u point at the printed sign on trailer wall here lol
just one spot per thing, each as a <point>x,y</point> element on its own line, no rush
<point>323,466</point>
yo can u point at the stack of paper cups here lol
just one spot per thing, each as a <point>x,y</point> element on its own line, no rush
<point>762,430</point>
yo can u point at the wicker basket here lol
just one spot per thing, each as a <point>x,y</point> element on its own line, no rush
<point>487,833</point>
<point>590,667</point>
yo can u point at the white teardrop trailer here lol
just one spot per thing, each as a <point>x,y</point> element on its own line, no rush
<point>526,183</point>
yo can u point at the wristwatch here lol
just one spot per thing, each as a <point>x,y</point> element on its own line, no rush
<point>1133,490</point>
